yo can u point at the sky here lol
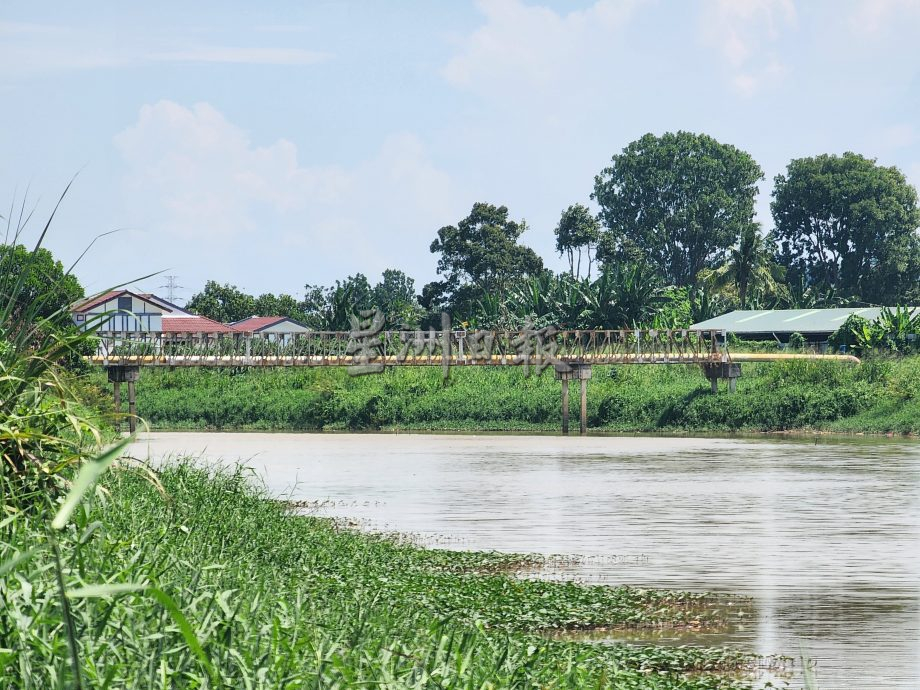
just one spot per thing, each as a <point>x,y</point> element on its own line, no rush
<point>276,144</point>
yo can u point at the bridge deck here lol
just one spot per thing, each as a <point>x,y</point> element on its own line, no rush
<point>538,348</point>
<point>393,360</point>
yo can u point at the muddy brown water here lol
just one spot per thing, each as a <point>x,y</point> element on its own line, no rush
<point>823,533</point>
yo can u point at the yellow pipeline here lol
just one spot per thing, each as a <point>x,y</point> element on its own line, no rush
<point>435,360</point>
<point>768,357</point>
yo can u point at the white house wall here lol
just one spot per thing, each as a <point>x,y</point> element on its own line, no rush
<point>285,327</point>
<point>145,316</point>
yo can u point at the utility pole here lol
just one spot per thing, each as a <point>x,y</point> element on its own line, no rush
<point>172,286</point>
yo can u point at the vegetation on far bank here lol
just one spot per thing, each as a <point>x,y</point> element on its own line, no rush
<point>878,396</point>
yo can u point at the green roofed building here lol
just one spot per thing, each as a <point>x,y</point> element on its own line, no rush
<point>816,325</point>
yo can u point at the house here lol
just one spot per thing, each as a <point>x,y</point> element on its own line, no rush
<point>172,308</point>
<point>132,312</point>
<point>193,323</point>
<point>816,325</point>
<point>271,327</point>
<point>142,312</point>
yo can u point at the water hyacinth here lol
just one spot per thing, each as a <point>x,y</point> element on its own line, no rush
<point>219,587</point>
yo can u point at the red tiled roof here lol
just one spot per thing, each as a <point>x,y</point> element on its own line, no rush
<point>91,302</point>
<point>255,323</point>
<point>195,324</point>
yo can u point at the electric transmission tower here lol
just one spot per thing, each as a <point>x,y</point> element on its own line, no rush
<point>171,287</point>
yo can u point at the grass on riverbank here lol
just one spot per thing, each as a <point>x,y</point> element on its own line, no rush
<point>880,395</point>
<point>214,586</point>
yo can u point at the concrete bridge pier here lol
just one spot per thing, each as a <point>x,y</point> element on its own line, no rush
<point>574,372</point>
<point>125,374</point>
<point>729,371</point>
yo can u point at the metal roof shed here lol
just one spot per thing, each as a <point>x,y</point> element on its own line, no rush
<point>814,324</point>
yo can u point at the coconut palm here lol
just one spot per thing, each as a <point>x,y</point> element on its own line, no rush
<point>750,268</point>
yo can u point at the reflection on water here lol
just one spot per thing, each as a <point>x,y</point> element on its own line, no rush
<point>822,534</point>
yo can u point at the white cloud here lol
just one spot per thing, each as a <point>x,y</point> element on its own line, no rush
<point>283,28</point>
<point>744,32</point>
<point>251,56</point>
<point>196,180</point>
<point>533,46</point>
<point>873,17</point>
<point>206,173</point>
<point>29,29</point>
<point>29,49</point>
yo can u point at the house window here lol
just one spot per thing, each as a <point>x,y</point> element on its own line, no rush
<point>124,303</point>
<point>81,318</point>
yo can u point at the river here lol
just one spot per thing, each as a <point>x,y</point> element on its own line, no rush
<point>823,533</point>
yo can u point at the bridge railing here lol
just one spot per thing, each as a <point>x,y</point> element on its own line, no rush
<point>435,348</point>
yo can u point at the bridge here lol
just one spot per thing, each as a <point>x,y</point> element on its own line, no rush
<point>571,353</point>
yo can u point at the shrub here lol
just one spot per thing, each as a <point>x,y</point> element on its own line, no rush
<point>796,341</point>
<point>45,429</point>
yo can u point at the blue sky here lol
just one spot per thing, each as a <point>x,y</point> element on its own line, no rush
<point>276,144</point>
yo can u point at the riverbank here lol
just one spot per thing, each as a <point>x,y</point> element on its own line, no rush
<point>877,396</point>
<point>204,582</point>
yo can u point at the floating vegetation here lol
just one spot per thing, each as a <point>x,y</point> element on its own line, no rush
<point>215,586</point>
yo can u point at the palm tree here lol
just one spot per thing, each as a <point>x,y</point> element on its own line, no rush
<point>625,295</point>
<point>750,268</point>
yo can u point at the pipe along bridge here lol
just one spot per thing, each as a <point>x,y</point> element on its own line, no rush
<point>570,353</point>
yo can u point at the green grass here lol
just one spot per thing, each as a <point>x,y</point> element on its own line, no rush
<point>876,396</point>
<point>215,586</point>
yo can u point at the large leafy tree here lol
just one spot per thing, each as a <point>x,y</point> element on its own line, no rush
<point>313,306</point>
<point>680,200</point>
<point>225,303</point>
<point>848,224</point>
<point>480,255</point>
<point>576,234</point>
<point>34,282</point>
<point>269,304</point>
<point>395,296</point>
<point>331,308</point>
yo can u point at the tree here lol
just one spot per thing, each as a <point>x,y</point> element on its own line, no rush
<point>750,272</point>
<point>578,231</point>
<point>481,255</point>
<point>846,223</point>
<point>331,309</point>
<point>278,305</point>
<point>623,296</point>
<point>681,199</point>
<point>395,297</point>
<point>313,307</point>
<point>225,303</point>
<point>346,299</point>
<point>37,284</point>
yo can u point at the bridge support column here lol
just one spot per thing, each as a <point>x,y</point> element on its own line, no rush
<point>117,390</point>
<point>728,371</point>
<point>117,376</point>
<point>565,406</point>
<point>574,372</point>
